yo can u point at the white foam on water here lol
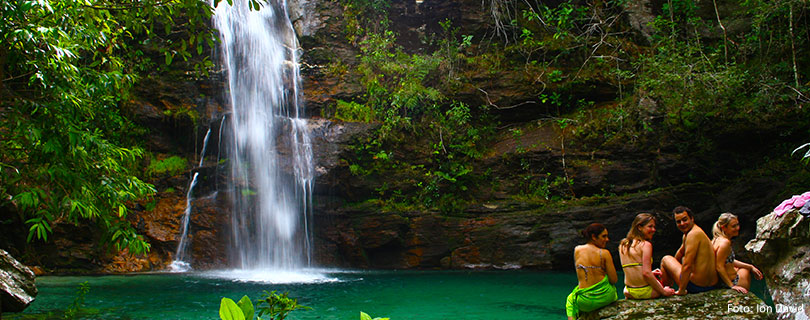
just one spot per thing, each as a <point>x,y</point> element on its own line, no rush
<point>271,276</point>
<point>179,266</point>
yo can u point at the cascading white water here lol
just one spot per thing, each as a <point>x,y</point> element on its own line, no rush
<point>181,259</point>
<point>269,147</point>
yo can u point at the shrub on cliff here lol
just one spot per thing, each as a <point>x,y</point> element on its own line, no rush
<point>69,154</point>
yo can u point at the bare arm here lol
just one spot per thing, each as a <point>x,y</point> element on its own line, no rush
<point>754,270</point>
<point>690,248</point>
<point>610,269</point>
<point>646,268</point>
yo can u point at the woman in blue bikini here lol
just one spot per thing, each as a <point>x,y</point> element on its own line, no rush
<point>595,272</point>
<point>734,273</point>
<point>635,253</point>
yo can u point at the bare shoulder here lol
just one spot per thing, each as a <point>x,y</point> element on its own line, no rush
<point>646,245</point>
<point>697,234</point>
<point>578,249</point>
<point>722,241</point>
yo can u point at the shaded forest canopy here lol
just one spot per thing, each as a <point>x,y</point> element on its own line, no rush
<point>722,82</point>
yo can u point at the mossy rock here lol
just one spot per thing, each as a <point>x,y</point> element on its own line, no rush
<point>715,304</point>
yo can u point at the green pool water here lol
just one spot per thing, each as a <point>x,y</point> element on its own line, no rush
<point>400,295</point>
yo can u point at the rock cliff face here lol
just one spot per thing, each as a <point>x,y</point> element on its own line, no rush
<point>17,287</point>
<point>505,233</point>
<point>716,304</point>
<point>781,250</point>
<point>501,230</point>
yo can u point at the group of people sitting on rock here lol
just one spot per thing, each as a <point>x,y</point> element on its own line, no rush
<point>701,264</point>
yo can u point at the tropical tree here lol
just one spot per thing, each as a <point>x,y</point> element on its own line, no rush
<point>68,153</point>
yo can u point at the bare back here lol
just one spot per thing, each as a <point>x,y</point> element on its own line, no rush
<point>698,245</point>
<point>589,262</point>
<point>724,245</point>
<point>632,258</point>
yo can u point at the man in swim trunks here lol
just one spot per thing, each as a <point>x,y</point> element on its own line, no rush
<point>693,266</point>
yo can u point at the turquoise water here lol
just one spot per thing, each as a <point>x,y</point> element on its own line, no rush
<point>401,295</point>
<point>338,295</point>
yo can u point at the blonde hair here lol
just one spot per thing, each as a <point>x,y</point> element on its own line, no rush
<point>722,221</point>
<point>642,219</point>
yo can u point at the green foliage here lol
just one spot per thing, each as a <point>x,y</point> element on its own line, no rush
<point>404,93</point>
<point>78,302</point>
<point>365,316</point>
<point>181,111</point>
<point>681,88</point>
<point>170,166</point>
<point>694,85</point>
<point>457,142</point>
<point>278,306</point>
<point>806,156</point>
<point>353,111</point>
<point>246,306</point>
<point>564,34</point>
<point>68,152</point>
<point>229,310</point>
<point>395,83</point>
<point>451,50</point>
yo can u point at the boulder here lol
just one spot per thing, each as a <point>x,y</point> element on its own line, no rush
<point>781,250</point>
<point>640,15</point>
<point>715,304</point>
<point>17,285</point>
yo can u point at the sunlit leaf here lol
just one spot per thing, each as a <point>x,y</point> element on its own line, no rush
<point>228,310</point>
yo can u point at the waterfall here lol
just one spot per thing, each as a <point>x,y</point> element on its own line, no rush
<point>181,259</point>
<point>181,263</point>
<point>269,148</point>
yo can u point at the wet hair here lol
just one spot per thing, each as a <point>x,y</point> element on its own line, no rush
<point>680,209</point>
<point>722,221</point>
<point>642,219</point>
<point>593,229</point>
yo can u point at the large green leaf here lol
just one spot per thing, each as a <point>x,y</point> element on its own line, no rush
<point>228,310</point>
<point>247,307</point>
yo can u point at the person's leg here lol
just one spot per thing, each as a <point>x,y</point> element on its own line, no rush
<point>745,278</point>
<point>641,293</point>
<point>654,294</point>
<point>571,309</point>
<point>628,295</point>
<point>671,270</point>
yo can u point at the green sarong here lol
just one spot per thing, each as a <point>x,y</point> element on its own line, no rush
<point>591,298</point>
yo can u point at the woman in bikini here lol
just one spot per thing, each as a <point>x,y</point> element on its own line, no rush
<point>635,253</point>
<point>595,273</point>
<point>734,273</point>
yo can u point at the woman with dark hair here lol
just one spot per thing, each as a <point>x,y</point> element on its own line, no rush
<point>595,273</point>
<point>734,273</point>
<point>635,253</point>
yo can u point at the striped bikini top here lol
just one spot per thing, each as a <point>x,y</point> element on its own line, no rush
<point>585,268</point>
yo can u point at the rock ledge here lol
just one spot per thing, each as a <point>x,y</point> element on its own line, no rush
<point>17,286</point>
<point>716,304</point>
